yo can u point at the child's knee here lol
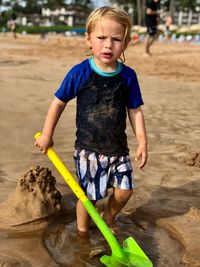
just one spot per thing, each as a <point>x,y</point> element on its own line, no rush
<point>123,195</point>
<point>128,193</point>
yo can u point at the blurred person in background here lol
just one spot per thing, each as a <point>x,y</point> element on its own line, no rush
<point>12,25</point>
<point>168,22</point>
<point>151,20</point>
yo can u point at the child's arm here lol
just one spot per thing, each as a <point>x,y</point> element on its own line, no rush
<point>46,139</point>
<point>137,122</point>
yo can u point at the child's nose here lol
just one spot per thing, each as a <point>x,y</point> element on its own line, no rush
<point>108,43</point>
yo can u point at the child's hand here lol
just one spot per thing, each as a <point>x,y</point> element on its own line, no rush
<point>141,155</point>
<point>43,143</point>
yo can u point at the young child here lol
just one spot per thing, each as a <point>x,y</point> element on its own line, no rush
<point>106,90</point>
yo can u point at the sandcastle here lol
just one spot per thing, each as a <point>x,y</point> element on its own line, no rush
<point>35,197</point>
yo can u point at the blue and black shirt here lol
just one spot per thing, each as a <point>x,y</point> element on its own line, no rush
<point>102,100</point>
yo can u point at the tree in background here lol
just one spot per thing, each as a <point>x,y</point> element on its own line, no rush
<point>179,5</point>
<point>53,3</point>
<point>11,9</point>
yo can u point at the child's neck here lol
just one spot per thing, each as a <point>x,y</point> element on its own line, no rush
<point>105,67</point>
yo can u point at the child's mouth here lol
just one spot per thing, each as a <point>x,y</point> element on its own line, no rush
<point>107,55</point>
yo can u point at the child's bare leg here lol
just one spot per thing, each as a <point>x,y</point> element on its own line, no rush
<point>116,202</point>
<point>83,218</point>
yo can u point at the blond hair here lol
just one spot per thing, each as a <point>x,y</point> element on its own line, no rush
<point>115,14</point>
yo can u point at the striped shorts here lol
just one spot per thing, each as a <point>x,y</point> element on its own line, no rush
<point>96,173</point>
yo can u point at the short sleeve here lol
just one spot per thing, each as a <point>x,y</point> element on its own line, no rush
<point>73,81</point>
<point>134,94</point>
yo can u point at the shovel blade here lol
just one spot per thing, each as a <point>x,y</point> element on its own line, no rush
<point>134,256</point>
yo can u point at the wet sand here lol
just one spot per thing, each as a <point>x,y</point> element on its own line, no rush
<point>164,213</point>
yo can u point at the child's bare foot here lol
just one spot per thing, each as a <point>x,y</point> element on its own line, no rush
<point>82,235</point>
<point>111,224</point>
<point>113,227</point>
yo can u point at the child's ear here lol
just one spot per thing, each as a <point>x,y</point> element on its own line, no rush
<point>88,40</point>
<point>126,44</point>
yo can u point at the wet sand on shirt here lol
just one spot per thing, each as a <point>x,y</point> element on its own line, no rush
<point>164,213</point>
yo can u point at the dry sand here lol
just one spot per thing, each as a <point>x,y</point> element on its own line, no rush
<point>164,214</point>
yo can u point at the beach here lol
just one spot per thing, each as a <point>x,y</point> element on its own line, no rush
<point>163,215</point>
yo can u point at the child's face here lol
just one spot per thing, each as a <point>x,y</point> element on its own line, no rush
<point>107,42</point>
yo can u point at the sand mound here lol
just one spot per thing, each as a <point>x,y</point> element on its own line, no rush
<point>35,197</point>
<point>186,229</point>
<point>192,159</point>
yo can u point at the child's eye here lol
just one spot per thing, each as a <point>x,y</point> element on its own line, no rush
<point>117,39</point>
<point>101,37</point>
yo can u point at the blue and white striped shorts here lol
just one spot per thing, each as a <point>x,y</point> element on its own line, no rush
<point>96,173</point>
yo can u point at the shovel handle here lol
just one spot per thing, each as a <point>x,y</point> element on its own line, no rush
<point>64,172</point>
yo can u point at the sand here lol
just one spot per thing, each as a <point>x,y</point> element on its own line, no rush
<point>164,213</point>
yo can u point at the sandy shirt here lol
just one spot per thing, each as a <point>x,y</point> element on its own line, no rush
<point>102,102</point>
